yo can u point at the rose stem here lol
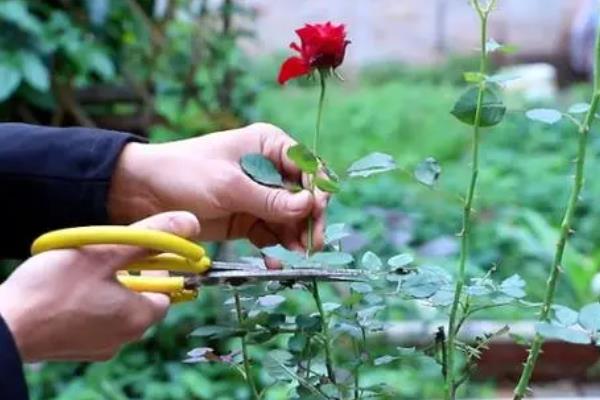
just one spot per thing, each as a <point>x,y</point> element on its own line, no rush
<point>565,229</point>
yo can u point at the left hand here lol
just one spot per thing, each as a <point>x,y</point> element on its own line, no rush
<point>203,175</point>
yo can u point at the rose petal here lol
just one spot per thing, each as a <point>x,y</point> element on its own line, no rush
<point>292,68</point>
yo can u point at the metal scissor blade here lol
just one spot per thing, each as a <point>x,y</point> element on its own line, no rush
<point>236,266</point>
<point>225,273</point>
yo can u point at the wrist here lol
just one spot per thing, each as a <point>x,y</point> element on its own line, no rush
<point>130,196</point>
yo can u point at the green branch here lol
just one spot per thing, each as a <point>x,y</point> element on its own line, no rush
<point>450,385</point>
<point>247,370</point>
<point>315,148</point>
<point>565,230</point>
<point>310,244</point>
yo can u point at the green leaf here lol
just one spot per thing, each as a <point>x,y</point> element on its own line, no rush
<point>282,254</point>
<point>199,354</point>
<point>274,320</point>
<point>98,61</point>
<point>520,340</point>
<point>374,163</point>
<point>34,71</point>
<point>443,297</point>
<point>331,258</point>
<point>276,364</point>
<point>362,288</point>
<point>373,299</point>
<point>400,260</point>
<point>513,287</point>
<point>589,317</point>
<point>270,301</point>
<point>570,335</point>
<point>371,261</point>
<point>493,46</point>
<point>343,328</point>
<point>579,108</point>
<point>303,158</point>
<point>422,284</point>
<point>329,307</point>
<point>308,323</point>
<point>327,185</point>
<point>10,78</point>
<point>428,171</point>
<point>564,315</point>
<point>366,315</point>
<point>335,233</point>
<point>502,78</point>
<point>406,351</point>
<point>383,360</point>
<point>478,290</point>
<point>492,108</point>
<point>97,11</point>
<point>261,170</point>
<point>474,77</point>
<point>260,337</point>
<point>544,115</point>
<point>16,12</point>
<point>214,331</point>
<point>297,343</point>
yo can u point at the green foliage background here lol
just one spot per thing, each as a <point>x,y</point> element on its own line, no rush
<point>193,78</point>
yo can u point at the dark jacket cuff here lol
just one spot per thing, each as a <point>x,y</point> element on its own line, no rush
<point>12,379</point>
<point>54,178</point>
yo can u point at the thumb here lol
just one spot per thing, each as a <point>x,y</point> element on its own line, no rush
<point>276,205</point>
<point>180,223</point>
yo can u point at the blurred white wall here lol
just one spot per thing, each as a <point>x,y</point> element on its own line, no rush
<point>417,31</point>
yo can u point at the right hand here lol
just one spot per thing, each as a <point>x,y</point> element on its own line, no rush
<point>67,304</point>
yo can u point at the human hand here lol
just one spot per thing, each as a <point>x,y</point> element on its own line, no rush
<point>203,175</point>
<point>67,304</point>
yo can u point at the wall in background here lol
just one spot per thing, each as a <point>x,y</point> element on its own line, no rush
<point>418,31</point>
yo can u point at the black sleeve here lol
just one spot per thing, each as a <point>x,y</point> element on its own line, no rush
<point>53,178</point>
<point>12,381</point>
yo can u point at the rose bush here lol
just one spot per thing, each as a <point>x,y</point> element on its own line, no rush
<point>326,349</point>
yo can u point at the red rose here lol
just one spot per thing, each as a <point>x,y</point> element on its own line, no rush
<point>322,46</point>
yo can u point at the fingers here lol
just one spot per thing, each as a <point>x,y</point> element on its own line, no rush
<point>158,304</point>
<point>274,205</point>
<point>318,226</point>
<point>179,223</point>
<point>144,310</point>
<point>274,144</point>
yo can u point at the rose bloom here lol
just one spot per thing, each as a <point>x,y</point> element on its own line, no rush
<point>322,46</point>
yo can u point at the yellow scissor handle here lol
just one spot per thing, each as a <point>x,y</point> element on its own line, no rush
<point>180,255</point>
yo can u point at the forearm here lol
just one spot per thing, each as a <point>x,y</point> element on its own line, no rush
<point>53,178</point>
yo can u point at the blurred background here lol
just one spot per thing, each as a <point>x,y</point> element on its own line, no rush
<point>172,69</point>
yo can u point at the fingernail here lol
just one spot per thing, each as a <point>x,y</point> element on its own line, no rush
<point>186,224</point>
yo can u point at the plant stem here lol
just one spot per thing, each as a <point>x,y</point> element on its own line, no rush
<point>356,371</point>
<point>449,388</point>
<point>247,370</point>
<point>565,230</point>
<point>323,81</point>
<point>324,331</point>
<point>310,244</point>
<point>315,148</point>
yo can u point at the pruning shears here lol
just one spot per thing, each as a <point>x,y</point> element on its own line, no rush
<point>187,263</point>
